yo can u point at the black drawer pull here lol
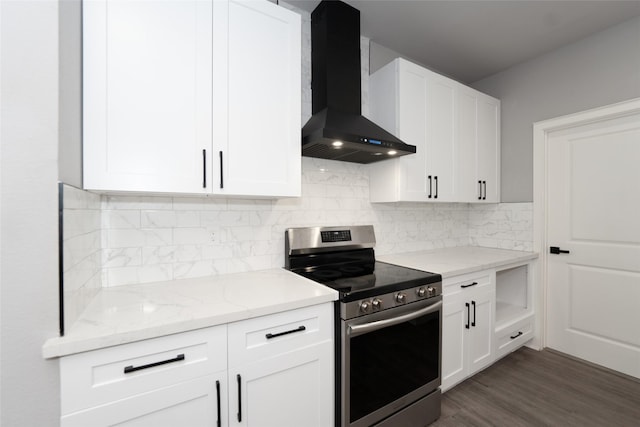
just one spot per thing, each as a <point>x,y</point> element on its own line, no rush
<point>469,285</point>
<point>239,379</point>
<point>516,335</point>
<point>219,421</point>
<point>466,304</point>
<point>279,334</point>
<point>129,369</point>
<point>473,303</point>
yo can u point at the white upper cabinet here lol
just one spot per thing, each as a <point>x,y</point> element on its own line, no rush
<point>191,97</point>
<point>488,155</point>
<point>478,127</point>
<point>454,128</point>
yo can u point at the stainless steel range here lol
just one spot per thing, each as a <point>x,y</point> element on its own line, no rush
<point>388,327</point>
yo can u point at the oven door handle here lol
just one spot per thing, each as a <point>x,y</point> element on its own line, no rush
<point>355,330</point>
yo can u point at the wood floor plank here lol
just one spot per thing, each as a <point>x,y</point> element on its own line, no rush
<point>542,388</point>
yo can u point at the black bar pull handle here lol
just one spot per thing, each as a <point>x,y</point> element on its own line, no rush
<point>292,331</point>
<point>479,190</point>
<point>204,168</point>
<point>469,285</point>
<point>435,178</point>
<point>516,335</point>
<point>221,171</point>
<point>556,250</point>
<point>473,303</point>
<point>129,369</point>
<point>484,184</point>
<point>239,378</point>
<point>430,187</point>
<point>219,422</point>
<point>468,315</point>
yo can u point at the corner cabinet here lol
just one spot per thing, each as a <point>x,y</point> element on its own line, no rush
<point>198,97</point>
<point>255,372</point>
<point>454,128</point>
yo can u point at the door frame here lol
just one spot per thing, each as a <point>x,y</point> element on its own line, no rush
<point>541,131</point>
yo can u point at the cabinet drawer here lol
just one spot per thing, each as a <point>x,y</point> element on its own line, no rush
<point>97,377</point>
<point>459,284</point>
<point>512,337</point>
<point>269,336</point>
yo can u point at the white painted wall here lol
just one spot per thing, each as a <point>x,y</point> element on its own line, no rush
<point>601,69</point>
<point>28,215</point>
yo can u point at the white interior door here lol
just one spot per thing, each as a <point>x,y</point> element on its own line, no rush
<point>593,212</point>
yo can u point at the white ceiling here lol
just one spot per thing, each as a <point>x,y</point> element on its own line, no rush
<point>470,40</point>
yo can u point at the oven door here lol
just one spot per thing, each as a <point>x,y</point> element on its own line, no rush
<point>390,360</point>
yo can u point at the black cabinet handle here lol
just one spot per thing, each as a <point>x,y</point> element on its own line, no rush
<point>479,190</point>
<point>473,303</point>
<point>279,334</point>
<point>484,184</point>
<point>468,315</point>
<point>204,168</point>
<point>129,369</point>
<point>221,171</point>
<point>516,335</point>
<point>219,422</point>
<point>430,188</point>
<point>435,178</point>
<point>556,250</point>
<point>239,378</point>
<point>469,285</point>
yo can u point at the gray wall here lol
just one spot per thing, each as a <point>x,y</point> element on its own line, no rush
<point>599,70</point>
<point>28,212</point>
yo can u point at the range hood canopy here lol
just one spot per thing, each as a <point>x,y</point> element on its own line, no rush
<point>337,130</point>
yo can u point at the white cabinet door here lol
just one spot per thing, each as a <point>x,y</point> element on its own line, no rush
<point>467,326</point>
<point>478,157</point>
<point>293,389</point>
<point>454,317</point>
<point>257,100</point>
<point>441,145</point>
<point>480,333</point>
<point>146,94</point>
<point>488,152</point>
<point>199,402</point>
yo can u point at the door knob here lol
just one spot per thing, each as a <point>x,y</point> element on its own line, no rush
<point>556,250</point>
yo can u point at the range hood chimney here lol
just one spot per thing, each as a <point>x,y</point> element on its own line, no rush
<point>337,130</point>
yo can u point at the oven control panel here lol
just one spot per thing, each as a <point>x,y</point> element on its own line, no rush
<point>382,302</point>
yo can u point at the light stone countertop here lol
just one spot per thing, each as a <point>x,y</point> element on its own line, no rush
<point>124,314</point>
<point>450,262</point>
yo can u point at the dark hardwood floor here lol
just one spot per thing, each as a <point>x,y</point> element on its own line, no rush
<point>542,388</point>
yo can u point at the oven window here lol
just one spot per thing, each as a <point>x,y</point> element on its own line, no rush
<point>389,363</point>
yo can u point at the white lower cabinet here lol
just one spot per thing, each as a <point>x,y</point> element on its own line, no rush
<point>281,369</point>
<point>486,315</point>
<point>274,370</point>
<point>467,326</point>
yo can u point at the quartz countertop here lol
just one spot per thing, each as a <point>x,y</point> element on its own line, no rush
<point>450,262</point>
<point>124,314</point>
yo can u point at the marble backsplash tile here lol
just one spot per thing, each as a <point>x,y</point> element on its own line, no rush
<point>82,262</point>
<point>150,239</point>
<point>503,226</point>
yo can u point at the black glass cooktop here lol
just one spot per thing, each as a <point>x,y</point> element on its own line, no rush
<point>360,280</point>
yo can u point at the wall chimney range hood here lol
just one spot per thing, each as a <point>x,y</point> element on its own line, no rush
<point>337,130</point>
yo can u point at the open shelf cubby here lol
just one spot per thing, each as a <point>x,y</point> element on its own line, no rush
<point>513,295</point>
